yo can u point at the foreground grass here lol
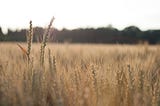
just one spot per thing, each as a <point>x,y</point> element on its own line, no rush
<point>80,75</point>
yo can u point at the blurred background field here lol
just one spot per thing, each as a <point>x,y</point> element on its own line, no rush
<point>80,75</point>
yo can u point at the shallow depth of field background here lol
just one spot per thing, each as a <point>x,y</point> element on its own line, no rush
<point>80,75</point>
<point>91,53</point>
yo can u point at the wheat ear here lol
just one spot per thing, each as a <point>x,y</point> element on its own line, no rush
<point>45,38</point>
<point>29,41</point>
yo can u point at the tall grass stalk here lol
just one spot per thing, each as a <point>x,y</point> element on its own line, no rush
<point>29,41</point>
<point>45,38</point>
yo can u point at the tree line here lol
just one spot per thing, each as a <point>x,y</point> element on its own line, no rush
<point>110,35</point>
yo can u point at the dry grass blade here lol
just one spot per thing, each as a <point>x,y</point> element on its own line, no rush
<point>23,49</point>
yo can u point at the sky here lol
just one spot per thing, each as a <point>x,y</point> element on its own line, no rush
<point>70,14</point>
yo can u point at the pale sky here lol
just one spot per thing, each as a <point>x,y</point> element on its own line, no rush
<point>70,14</point>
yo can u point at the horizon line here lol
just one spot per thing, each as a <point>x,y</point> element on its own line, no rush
<point>5,30</point>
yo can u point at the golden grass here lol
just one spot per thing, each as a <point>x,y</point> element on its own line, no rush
<point>81,75</point>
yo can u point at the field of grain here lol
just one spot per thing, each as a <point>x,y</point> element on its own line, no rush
<point>80,75</point>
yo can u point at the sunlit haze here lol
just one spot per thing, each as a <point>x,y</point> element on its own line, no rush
<point>70,14</point>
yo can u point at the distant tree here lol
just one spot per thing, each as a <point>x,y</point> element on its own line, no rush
<point>132,31</point>
<point>1,35</point>
<point>110,26</point>
<point>38,34</point>
<point>132,28</point>
<point>152,36</point>
<point>109,34</point>
<point>18,35</point>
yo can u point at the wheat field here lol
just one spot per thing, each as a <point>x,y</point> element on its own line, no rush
<point>80,75</point>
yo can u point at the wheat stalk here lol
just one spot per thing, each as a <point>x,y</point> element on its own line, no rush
<point>45,38</point>
<point>29,40</point>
